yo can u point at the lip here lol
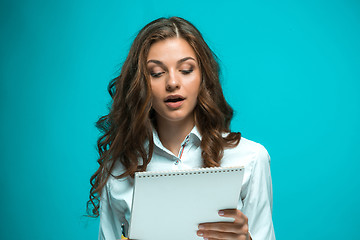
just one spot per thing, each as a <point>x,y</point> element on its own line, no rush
<point>173,97</point>
<point>174,105</point>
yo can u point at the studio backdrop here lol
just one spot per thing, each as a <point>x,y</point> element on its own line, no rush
<point>290,70</point>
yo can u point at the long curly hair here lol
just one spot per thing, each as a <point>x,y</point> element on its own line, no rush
<point>129,124</point>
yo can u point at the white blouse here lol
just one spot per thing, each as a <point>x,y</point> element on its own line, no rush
<point>256,192</point>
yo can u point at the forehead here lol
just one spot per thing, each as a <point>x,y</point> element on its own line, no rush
<point>171,49</point>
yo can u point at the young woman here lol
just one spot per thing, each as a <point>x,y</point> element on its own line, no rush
<point>169,112</point>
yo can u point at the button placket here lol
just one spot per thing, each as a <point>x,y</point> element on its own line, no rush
<point>183,145</point>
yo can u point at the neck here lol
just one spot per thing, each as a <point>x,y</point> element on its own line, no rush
<point>172,134</point>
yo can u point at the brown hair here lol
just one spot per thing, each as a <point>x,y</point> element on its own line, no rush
<point>129,124</point>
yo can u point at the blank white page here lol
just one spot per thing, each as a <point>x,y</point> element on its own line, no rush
<point>170,205</point>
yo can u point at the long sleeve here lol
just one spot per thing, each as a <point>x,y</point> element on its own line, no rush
<point>111,217</point>
<point>259,198</point>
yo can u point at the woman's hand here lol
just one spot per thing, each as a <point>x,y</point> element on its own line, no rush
<point>226,230</point>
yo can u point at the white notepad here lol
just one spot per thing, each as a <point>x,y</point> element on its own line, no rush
<point>170,205</point>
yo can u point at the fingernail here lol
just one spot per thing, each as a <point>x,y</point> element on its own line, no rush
<point>201,227</point>
<point>200,233</point>
<point>221,213</point>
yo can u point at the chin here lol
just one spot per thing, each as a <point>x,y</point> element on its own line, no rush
<point>175,117</point>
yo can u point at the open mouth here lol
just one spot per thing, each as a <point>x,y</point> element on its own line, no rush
<point>174,99</point>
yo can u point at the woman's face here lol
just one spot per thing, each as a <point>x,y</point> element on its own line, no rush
<point>175,80</point>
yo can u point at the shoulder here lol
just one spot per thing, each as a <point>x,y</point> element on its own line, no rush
<point>115,186</point>
<point>245,153</point>
<point>256,148</point>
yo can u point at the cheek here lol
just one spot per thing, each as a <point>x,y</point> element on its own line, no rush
<point>195,88</point>
<point>156,99</point>
<point>192,84</point>
<point>155,91</point>
<point>197,83</point>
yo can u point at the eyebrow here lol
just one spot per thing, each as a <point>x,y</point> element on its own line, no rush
<point>163,65</point>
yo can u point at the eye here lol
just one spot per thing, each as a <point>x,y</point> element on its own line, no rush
<point>157,74</point>
<point>185,72</point>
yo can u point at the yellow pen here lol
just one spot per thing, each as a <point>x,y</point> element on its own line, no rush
<point>123,232</point>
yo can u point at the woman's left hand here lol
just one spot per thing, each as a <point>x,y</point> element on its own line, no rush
<point>237,229</point>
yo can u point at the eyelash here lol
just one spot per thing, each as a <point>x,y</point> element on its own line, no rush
<point>159,74</point>
<point>186,72</point>
<point>156,75</point>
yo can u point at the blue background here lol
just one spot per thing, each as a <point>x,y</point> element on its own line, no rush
<point>290,69</point>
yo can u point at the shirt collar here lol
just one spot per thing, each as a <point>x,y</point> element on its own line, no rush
<point>195,132</point>
<point>194,136</point>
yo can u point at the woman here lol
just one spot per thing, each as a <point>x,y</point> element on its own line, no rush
<point>169,112</point>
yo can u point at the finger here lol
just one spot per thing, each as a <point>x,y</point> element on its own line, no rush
<point>234,213</point>
<point>221,227</point>
<point>217,235</point>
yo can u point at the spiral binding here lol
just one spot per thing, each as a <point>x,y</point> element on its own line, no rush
<point>186,172</point>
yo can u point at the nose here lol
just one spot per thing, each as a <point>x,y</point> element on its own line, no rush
<point>172,82</point>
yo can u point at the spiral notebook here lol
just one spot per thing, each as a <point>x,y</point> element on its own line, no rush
<point>171,204</point>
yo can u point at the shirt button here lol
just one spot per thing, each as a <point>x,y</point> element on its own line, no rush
<point>176,162</point>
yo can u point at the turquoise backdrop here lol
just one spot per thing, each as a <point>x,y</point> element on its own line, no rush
<point>291,71</point>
